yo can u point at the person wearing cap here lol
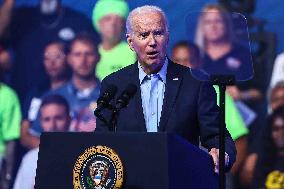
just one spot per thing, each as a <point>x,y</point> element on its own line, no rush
<point>109,20</point>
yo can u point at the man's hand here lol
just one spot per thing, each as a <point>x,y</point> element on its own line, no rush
<point>214,152</point>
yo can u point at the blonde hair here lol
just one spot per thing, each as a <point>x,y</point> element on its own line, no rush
<point>199,36</point>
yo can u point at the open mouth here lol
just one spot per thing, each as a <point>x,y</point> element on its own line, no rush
<point>153,54</point>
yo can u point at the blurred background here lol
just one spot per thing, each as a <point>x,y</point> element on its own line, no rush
<point>66,47</point>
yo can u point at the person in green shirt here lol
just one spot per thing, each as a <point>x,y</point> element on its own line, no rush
<point>109,20</point>
<point>10,120</point>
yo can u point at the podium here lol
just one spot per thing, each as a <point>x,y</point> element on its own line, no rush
<point>149,160</point>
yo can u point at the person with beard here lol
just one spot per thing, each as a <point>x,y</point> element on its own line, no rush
<point>82,91</point>
<point>31,29</point>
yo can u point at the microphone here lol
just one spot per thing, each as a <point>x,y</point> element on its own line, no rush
<point>123,100</point>
<point>105,98</point>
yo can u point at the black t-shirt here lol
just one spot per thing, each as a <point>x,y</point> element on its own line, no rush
<point>30,33</point>
<point>270,178</point>
<point>275,178</point>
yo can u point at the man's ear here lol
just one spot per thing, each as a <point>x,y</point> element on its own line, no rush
<point>129,41</point>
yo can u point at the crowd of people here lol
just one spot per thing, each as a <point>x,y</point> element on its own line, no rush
<point>53,60</point>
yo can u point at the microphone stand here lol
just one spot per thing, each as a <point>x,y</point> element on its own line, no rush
<point>222,81</point>
<point>112,124</point>
<point>114,118</point>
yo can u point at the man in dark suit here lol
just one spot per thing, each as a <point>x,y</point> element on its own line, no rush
<point>168,98</point>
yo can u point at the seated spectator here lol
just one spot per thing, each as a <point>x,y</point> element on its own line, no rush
<point>214,37</point>
<point>10,120</point>
<point>54,60</point>
<point>221,53</point>
<point>82,91</point>
<point>54,117</point>
<point>109,22</point>
<point>269,171</point>
<point>186,54</point>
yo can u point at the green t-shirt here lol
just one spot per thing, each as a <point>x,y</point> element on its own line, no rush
<point>113,60</point>
<point>234,122</point>
<point>10,116</point>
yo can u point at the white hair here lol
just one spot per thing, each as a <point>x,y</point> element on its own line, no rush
<point>142,10</point>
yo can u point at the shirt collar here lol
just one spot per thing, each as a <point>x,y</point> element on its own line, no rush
<point>162,73</point>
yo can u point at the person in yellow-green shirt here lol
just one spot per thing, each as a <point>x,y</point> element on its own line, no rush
<point>10,121</point>
<point>109,20</point>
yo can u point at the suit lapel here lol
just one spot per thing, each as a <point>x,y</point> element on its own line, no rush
<point>134,78</point>
<point>173,82</point>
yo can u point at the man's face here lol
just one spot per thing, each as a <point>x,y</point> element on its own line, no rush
<point>278,133</point>
<point>54,61</point>
<point>213,26</point>
<point>54,117</point>
<point>83,59</point>
<point>277,98</point>
<point>149,39</point>
<point>111,27</point>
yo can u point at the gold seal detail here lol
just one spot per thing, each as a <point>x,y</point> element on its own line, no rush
<point>99,167</point>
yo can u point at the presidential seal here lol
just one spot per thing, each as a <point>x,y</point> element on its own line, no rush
<point>99,167</point>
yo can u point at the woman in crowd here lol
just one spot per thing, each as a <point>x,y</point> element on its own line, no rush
<point>269,171</point>
<point>221,52</point>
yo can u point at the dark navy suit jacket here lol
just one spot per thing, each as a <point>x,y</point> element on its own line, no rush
<point>189,107</point>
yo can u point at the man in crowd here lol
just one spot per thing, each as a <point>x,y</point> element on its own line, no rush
<point>168,97</point>
<point>54,117</point>
<point>54,60</point>
<point>110,22</point>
